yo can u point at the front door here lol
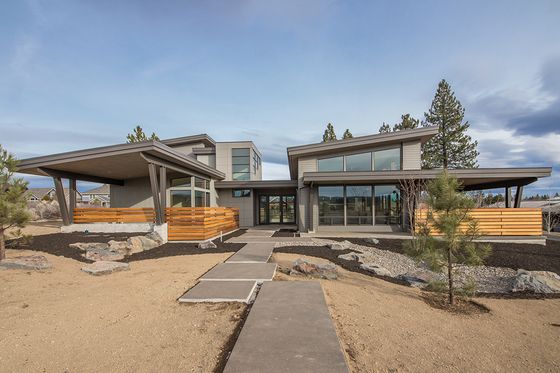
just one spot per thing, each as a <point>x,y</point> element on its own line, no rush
<point>275,209</point>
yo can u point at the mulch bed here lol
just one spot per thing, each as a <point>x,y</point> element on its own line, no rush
<point>58,244</point>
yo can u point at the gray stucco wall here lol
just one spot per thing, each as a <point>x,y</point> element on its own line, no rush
<point>134,193</point>
<point>246,206</point>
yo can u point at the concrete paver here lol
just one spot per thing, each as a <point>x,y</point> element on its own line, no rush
<point>220,291</point>
<point>241,272</point>
<point>253,253</point>
<point>289,329</point>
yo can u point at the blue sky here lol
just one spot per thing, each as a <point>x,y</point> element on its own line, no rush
<point>76,74</point>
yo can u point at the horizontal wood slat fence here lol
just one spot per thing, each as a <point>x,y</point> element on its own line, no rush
<point>113,215</point>
<point>200,223</point>
<point>502,221</point>
<point>183,223</point>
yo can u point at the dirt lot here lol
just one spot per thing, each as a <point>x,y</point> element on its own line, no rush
<point>65,320</point>
<point>36,228</point>
<point>386,327</point>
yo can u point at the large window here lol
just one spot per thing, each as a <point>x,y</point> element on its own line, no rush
<point>331,205</point>
<point>240,159</point>
<point>331,164</point>
<point>387,160</point>
<point>189,192</point>
<point>387,204</point>
<point>358,205</point>
<point>358,162</point>
<point>180,198</point>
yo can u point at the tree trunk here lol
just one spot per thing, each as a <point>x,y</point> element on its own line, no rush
<point>450,276</point>
<point>2,245</point>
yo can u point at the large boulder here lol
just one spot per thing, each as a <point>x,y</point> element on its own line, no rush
<point>375,269</point>
<point>371,240</point>
<point>154,236</point>
<point>102,255</point>
<point>33,262</point>
<point>418,278</point>
<point>207,245</point>
<point>306,268</point>
<point>138,244</point>
<point>105,268</point>
<point>118,246</point>
<point>350,256</point>
<point>542,282</point>
<point>85,246</point>
<point>344,245</point>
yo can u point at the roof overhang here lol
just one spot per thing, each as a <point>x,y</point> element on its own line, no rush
<point>202,138</point>
<point>116,163</point>
<point>362,142</point>
<point>257,184</point>
<point>471,179</point>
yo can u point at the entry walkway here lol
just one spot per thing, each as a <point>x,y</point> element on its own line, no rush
<point>289,329</point>
<point>236,279</point>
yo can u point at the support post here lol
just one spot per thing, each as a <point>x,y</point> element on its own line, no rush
<point>163,191</point>
<point>72,200</point>
<point>508,197</point>
<point>155,192</point>
<point>518,196</point>
<point>59,188</point>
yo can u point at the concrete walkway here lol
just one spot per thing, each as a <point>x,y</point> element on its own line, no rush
<point>289,329</point>
<point>252,253</point>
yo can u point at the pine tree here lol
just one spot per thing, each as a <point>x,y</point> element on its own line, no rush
<point>385,128</point>
<point>347,134</point>
<point>13,200</point>
<point>451,147</point>
<point>448,214</point>
<point>138,135</point>
<point>329,134</point>
<point>407,122</point>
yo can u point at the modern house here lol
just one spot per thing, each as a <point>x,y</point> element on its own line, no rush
<point>345,185</point>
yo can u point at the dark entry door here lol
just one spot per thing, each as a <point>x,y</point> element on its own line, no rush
<point>275,209</point>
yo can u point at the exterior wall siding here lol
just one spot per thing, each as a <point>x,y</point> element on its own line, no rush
<point>412,155</point>
<point>245,205</point>
<point>134,193</point>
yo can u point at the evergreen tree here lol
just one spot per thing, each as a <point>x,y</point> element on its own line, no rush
<point>329,134</point>
<point>347,134</point>
<point>138,135</point>
<point>448,215</point>
<point>13,199</point>
<point>407,122</point>
<point>451,147</point>
<point>385,128</point>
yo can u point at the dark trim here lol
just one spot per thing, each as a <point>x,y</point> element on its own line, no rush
<point>501,184</point>
<point>518,196</point>
<point>508,197</point>
<point>77,176</point>
<point>204,151</point>
<point>204,138</point>
<point>163,163</point>
<point>256,184</point>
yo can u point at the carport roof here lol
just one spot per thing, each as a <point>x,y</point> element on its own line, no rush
<point>115,163</point>
<point>472,179</point>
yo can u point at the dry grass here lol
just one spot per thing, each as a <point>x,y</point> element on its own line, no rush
<point>385,327</point>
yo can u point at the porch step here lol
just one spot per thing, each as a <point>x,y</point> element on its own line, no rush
<point>253,253</point>
<point>220,291</point>
<point>241,272</point>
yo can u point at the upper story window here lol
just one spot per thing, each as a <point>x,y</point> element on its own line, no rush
<point>358,162</point>
<point>383,160</point>
<point>256,162</point>
<point>331,164</point>
<point>181,182</point>
<point>387,160</point>
<point>201,183</point>
<point>240,160</point>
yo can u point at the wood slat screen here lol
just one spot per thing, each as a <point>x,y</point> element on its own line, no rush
<point>200,223</point>
<point>502,221</point>
<point>113,215</point>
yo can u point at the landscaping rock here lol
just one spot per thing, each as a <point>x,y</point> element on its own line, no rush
<point>154,236</point>
<point>371,240</point>
<point>105,268</point>
<point>85,246</point>
<point>118,246</point>
<point>102,255</point>
<point>350,256</point>
<point>303,267</point>
<point>541,282</point>
<point>33,262</point>
<point>207,245</point>
<point>344,245</point>
<point>138,244</point>
<point>375,269</point>
<point>418,278</point>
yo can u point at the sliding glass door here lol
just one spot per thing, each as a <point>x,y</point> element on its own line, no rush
<point>387,205</point>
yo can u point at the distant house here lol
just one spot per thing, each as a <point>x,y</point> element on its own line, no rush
<point>42,194</point>
<point>99,195</point>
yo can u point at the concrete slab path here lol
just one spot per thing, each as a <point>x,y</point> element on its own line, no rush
<point>220,291</point>
<point>289,329</point>
<point>253,253</point>
<point>241,272</point>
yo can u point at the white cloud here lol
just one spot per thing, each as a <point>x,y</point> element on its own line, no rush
<point>275,171</point>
